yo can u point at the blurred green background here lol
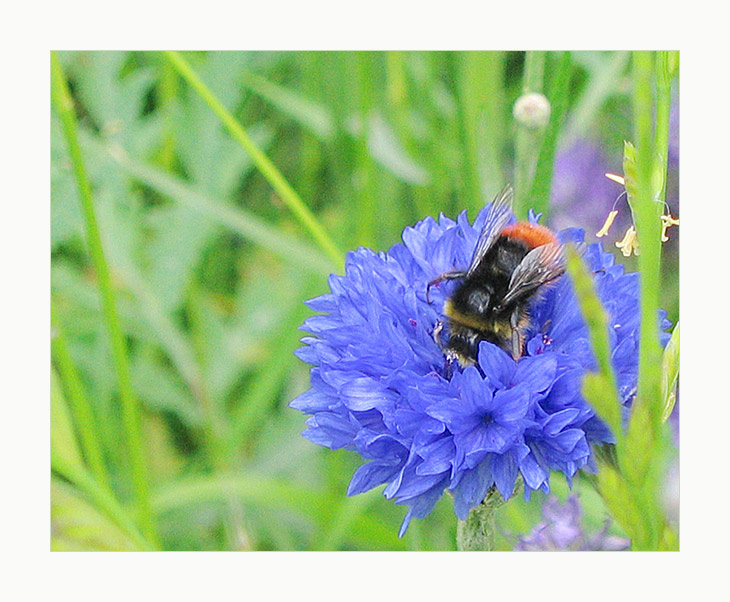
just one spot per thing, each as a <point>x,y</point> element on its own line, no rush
<point>210,268</point>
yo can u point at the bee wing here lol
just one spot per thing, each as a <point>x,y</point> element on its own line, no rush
<point>538,267</point>
<point>497,218</point>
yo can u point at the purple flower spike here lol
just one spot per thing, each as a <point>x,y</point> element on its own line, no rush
<point>561,529</point>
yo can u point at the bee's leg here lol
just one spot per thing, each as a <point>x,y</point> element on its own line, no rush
<point>437,330</point>
<point>449,357</point>
<point>514,321</point>
<point>441,278</point>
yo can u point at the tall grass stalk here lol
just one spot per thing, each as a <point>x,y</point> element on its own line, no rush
<point>130,406</point>
<point>282,187</point>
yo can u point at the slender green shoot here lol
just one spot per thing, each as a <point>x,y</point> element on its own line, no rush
<point>130,406</point>
<point>287,194</point>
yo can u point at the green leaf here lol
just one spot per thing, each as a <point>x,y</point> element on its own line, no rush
<point>386,149</point>
<point>605,69</point>
<point>63,438</point>
<point>76,524</point>
<point>308,113</point>
<point>670,373</point>
<point>617,497</point>
<point>239,220</point>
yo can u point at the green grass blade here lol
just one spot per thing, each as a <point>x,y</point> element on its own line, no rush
<point>79,404</point>
<point>130,406</point>
<point>63,437</point>
<point>101,498</point>
<point>264,164</point>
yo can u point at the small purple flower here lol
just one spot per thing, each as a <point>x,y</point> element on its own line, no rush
<point>379,386</point>
<point>561,529</point>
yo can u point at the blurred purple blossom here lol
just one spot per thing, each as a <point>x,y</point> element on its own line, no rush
<point>582,196</point>
<point>561,529</point>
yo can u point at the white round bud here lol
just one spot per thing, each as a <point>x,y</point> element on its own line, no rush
<point>532,110</point>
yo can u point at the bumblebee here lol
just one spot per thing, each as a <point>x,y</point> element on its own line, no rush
<point>511,262</point>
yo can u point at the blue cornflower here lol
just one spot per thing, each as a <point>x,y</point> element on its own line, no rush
<point>380,387</point>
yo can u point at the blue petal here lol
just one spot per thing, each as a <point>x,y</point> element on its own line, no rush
<point>497,366</point>
<point>371,475</point>
<point>532,473</point>
<point>511,404</point>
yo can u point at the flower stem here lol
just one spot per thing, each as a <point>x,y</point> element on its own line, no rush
<point>282,187</point>
<point>528,140</point>
<point>478,533</point>
<point>648,227</point>
<point>63,103</point>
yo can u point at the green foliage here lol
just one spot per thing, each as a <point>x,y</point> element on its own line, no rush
<point>196,200</point>
<point>670,373</point>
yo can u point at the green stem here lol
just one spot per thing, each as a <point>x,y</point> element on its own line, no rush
<point>641,459</point>
<point>534,71</point>
<point>130,407</point>
<point>263,163</point>
<point>479,531</point>
<point>79,402</point>
<point>648,227</point>
<point>528,140</point>
<point>559,94</point>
